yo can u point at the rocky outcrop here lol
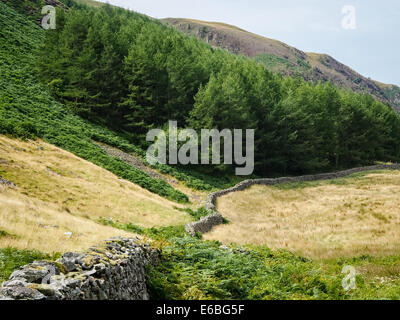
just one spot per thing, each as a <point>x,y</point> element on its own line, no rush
<point>207,223</point>
<point>6,183</point>
<point>114,270</point>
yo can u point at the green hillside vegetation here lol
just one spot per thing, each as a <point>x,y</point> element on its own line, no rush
<point>27,109</point>
<point>31,9</point>
<point>131,73</point>
<point>195,269</point>
<point>11,259</point>
<point>393,93</point>
<point>280,65</point>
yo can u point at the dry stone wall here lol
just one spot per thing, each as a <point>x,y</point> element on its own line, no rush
<point>207,223</point>
<point>6,183</point>
<point>114,270</point>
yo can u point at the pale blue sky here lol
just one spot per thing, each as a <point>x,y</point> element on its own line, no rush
<point>372,49</point>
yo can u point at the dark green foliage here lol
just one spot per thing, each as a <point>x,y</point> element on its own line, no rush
<point>164,71</point>
<point>20,129</point>
<point>27,109</point>
<point>163,233</point>
<point>122,69</point>
<point>30,8</point>
<point>11,259</point>
<point>4,234</point>
<point>304,128</point>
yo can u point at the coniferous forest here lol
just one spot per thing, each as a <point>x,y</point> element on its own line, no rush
<point>132,73</point>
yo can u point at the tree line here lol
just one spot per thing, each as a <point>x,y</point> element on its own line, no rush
<point>132,73</point>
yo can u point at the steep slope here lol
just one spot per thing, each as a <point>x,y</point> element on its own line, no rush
<point>282,58</point>
<point>32,8</point>
<point>57,192</point>
<point>27,109</point>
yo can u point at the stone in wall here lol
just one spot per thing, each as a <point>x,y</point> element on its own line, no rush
<point>6,183</point>
<point>205,224</point>
<point>114,270</point>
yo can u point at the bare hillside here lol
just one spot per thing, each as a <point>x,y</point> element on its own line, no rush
<point>59,199</point>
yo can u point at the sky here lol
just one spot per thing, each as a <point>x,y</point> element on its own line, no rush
<point>366,37</point>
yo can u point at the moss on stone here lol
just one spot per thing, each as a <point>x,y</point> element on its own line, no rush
<point>59,266</point>
<point>42,288</point>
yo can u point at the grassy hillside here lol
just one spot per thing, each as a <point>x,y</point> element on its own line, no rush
<point>92,3</point>
<point>393,94</point>
<point>280,57</point>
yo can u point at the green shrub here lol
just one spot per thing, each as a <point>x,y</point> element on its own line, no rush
<point>11,259</point>
<point>160,233</point>
<point>196,214</point>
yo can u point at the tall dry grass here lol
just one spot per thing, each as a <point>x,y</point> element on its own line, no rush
<point>56,188</point>
<point>33,224</point>
<point>359,215</point>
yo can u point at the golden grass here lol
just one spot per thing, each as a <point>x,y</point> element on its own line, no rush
<point>58,188</point>
<point>361,215</point>
<point>33,224</point>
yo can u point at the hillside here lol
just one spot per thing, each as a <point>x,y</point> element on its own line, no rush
<point>284,59</point>
<point>58,192</point>
<point>37,114</point>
